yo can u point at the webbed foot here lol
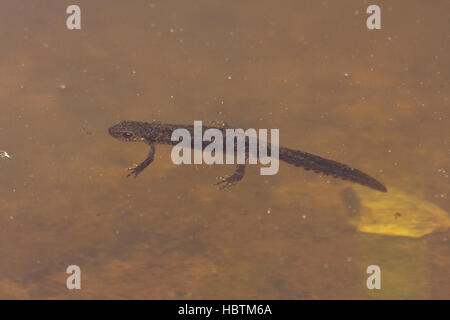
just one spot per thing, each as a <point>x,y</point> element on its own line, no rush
<point>228,181</point>
<point>135,170</point>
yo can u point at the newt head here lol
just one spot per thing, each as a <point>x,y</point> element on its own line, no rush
<point>128,131</point>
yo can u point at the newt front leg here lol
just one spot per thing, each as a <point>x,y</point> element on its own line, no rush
<point>135,170</point>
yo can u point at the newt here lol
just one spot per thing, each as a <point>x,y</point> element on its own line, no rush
<point>158,133</point>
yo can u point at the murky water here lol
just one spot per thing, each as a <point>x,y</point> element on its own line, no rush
<point>377,100</point>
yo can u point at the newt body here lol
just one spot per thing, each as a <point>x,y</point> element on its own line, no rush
<point>158,133</point>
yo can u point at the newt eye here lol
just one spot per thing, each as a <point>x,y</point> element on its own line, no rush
<point>127,135</point>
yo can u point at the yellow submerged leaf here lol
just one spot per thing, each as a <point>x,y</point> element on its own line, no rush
<point>393,213</point>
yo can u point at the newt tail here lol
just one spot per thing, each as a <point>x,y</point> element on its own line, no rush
<point>329,167</point>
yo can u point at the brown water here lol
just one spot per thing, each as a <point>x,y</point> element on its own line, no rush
<point>376,100</point>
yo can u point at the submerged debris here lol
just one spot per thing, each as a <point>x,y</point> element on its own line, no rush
<point>4,155</point>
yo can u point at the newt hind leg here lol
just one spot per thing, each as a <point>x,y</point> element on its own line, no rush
<point>229,181</point>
